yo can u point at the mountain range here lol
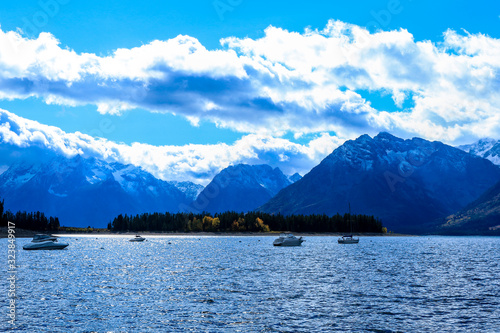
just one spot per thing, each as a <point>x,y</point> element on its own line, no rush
<point>413,186</point>
<point>89,192</point>
<point>409,184</point>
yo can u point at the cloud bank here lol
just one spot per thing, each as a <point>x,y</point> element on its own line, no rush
<point>308,82</point>
<point>196,163</point>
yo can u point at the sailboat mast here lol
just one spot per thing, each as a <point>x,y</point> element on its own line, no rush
<point>350,222</point>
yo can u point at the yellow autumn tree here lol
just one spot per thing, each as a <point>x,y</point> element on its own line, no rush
<point>261,226</point>
<point>238,225</point>
<point>207,223</point>
<point>241,223</point>
<point>216,224</point>
<point>235,226</point>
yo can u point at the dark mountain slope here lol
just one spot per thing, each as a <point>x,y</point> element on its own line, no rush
<point>241,188</point>
<point>406,183</point>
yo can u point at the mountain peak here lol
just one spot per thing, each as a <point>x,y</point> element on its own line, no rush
<point>295,177</point>
<point>364,137</point>
<point>487,140</point>
<point>385,136</point>
<point>265,167</point>
<point>242,188</point>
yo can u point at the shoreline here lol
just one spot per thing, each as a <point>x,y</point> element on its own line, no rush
<point>23,233</point>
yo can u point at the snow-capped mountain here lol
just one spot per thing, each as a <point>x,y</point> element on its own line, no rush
<point>486,148</point>
<point>241,188</point>
<point>83,192</point>
<point>190,190</point>
<point>406,183</point>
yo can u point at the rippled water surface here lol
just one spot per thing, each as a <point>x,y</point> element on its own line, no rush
<point>231,284</point>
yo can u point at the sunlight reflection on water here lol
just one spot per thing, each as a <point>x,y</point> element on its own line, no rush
<point>214,284</point>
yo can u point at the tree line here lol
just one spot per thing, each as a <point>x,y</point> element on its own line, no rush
<point>252,221</point>
<point>30,221</point>
<point>221,222</point>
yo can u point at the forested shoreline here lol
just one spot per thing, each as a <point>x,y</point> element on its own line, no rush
<point>245,222</point>
<point>29,221</point>
<point>205,222</point>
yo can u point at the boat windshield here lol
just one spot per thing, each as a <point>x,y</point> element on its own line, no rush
<point>39,237</point>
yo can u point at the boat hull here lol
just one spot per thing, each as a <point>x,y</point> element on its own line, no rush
<point>288,244</point>
<point>48,245</point>
<point>348,241</point>
<point>297,242</point>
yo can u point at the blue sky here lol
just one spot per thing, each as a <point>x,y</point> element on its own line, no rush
<point>293,103</point>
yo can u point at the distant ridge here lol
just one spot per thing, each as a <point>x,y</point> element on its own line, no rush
<point>486,148</point>
<point>241,188</point>
<point>294,178</point>
<point>481,217</point>
<point>87,192</point>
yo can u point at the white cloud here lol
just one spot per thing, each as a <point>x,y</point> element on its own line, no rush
<point>196,163</point>
<point>306,82</point>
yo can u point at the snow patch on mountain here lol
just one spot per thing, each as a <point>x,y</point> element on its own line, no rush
<point>60,195</point>
<point>495,159</point>
<point>486,148</point>
<point>191,190</point>
<point>97,176</point>
<point>153,190</point>
<point>22,179</point>
<point>480,147</point>
<point>18,175</point>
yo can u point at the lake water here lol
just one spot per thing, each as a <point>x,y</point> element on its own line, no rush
<point>244,284</point>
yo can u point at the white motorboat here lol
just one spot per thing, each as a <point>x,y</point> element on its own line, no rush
<point>137,238</point>
<point>288,239</point>
<point>348,239</point>
<point>44,242</point>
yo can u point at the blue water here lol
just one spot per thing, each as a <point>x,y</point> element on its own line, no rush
<point>244,284</point>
